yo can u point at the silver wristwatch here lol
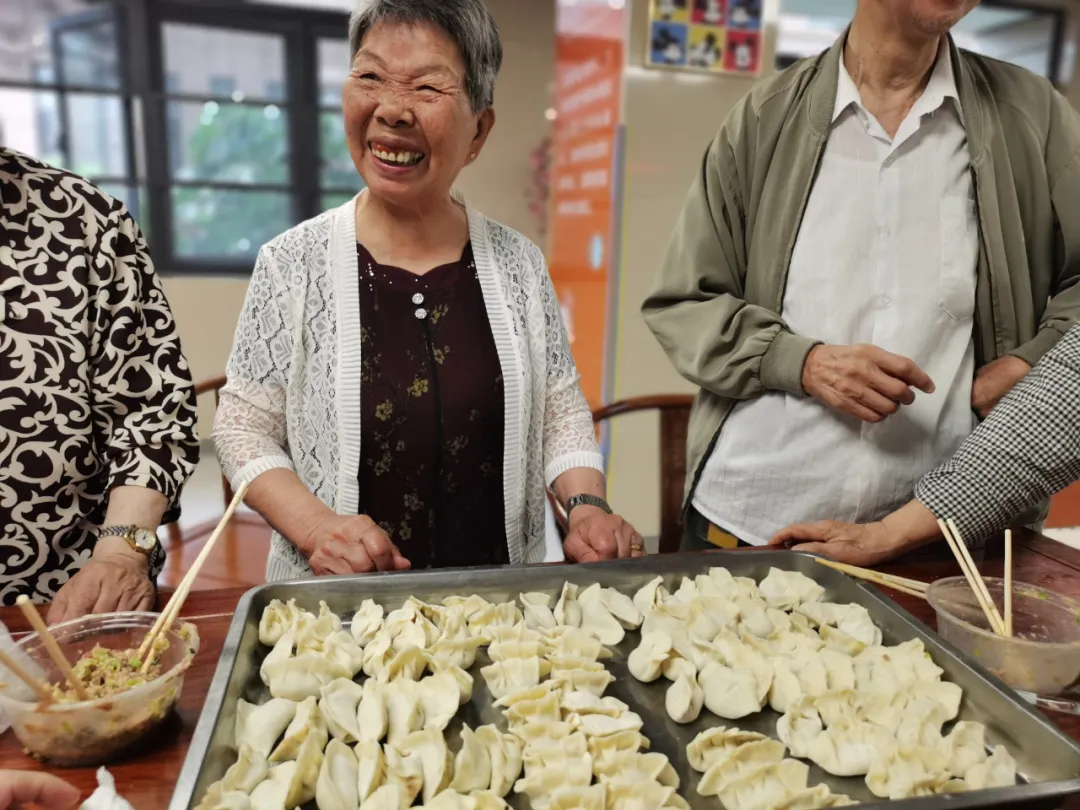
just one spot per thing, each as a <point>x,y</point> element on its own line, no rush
<point>586,500</point>
<point>145,541</point>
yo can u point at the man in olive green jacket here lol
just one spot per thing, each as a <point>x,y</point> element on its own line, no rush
<point>881,242</point>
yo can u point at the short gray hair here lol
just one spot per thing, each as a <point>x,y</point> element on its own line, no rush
<point>469,24</point>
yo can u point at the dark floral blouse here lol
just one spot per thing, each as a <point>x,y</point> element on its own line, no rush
<point>431,396</point>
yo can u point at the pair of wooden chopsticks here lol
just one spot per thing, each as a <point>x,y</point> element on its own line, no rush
<point>162,625</point>
<point>912,587</point>
<point>999,625</point>
<point>165,621</point>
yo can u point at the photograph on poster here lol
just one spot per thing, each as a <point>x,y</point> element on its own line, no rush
<point>670,11</point>
<point>709,12</point>
<point>743,53</point>
<point>706,48</point>
<point>667,44</point>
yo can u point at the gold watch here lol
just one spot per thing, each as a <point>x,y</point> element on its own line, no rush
<point>144,541</point>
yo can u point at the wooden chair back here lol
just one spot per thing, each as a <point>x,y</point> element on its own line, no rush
<point>674,411</point>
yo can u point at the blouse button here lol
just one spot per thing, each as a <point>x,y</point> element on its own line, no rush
<point>418,299</point>
<point>420,314</point>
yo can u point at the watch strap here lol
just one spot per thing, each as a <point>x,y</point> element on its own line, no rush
<point>586,500</point>
<point>117,531</point>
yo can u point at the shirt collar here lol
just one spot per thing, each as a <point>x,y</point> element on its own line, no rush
<point>942,85</point>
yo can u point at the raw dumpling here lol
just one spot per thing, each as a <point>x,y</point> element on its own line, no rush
<point>684,698</point>
<point>407,772</point>
<point>277,619</point>
<point>307,721</point>
<point>436,761</point>
<point>647,660</point>
<point>451,672</point>
<point>542,689</point>
<point>243,775</point>
<point>921,724</point>
<point>391,796</point>
<point>717,743</point>
<point>740,762</point>
<point>409,663</point>
<point>440,697</point>
<point>404,714</point>
<point>632,766</point>
<point>754,617</point>
<point>794,678</point>
<point>739,655</point>
<point>259,727</point>
<point>593,797</point>
<point>282,651</point>
<point>338,707</point>
<point>571,642</point>
<point>964,747</point>
<point>946,693</point>
<point>409,627</point>
<point>766,787</point>
<point>512,675</point>
<point>597,621</point>
<point>729,693</point>
<point>648,596</point>
<point>997,771</point>
<point>516,632</point>
<point>484,623</point>
<point>311,635</point>
<point>303,676</point>
<point>504,650</point>
<point>336,787</point>
<point>537,610</point>
<point>340,649</point>
<point>638,795</point>
<point>506,758</point>
<point>600,725</point>
<point>378,653</point>
<point>371,718</point>
<point>839,669</point>
<point>577,702</point>
<point>567,610</point>
<point>545,750</point>
<point>785,590</point>
<point>273,792</point>
<point>472,765</point>
<point>836,639</point>
<point>470,605</point>
<point>459,652</point>
<point>906,772</point>
<point>583,680</point>
<point>367,621</point>
<point>817,797</point>
<point>707,616</point>
<point>622,607</point>
<point>542,733</point>
<point>370,768</point>
<point>799,727</point>
<point>218,799</point>
<point>850,749</point>
<point>525,711</point>
<point>603,748</point>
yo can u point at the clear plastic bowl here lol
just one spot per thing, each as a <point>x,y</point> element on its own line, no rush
<point>93,732</point>
<point>1042,656</point>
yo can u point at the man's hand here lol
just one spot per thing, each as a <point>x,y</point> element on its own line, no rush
<point>862,381</point>
<point>351,545</point>
<point>116,578</point>
<point>25,789</point>
<point>994,381</point>
<point>853,543</point>
<point>594,535</point>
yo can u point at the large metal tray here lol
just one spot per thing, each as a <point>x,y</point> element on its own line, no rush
<point>1048,761</point>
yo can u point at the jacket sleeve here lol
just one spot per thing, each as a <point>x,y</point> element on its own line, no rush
<point>1025,451</point>
<point>569,434</point>
<point>697,308</point>
<point>144,400</point>
<point>1063,168</point>
<point>250,429</point>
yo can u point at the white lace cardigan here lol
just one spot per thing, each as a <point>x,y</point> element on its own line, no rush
<point>293,393</point>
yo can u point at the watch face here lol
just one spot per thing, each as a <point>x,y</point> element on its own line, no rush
<point>145,540</point>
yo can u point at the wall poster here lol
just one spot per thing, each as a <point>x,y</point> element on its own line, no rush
<point>715,36</point>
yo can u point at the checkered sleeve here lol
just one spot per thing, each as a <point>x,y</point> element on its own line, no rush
<point>1025,451</point>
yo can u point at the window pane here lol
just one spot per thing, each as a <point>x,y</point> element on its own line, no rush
<point>338,170</point>
<point>96,138</point>
<point>202,58</point>
<point>233,143</point>
<point>333,70</point>
<point>216,224</point>
<point>39,40</point>
<point>30,123</point>
<point>335,200</point>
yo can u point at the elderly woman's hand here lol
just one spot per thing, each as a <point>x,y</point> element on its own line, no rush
<point>116,578</point>
<point>23,789</point>
<point>594,535</point>
<point>344,544</point>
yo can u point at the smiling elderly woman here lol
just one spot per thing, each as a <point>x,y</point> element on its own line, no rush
<point>401,388</point>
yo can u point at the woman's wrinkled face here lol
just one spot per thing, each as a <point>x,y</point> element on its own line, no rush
<point>408,120</point>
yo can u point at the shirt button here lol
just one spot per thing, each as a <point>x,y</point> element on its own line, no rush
<point>420,314</point>
<point>887,301</point>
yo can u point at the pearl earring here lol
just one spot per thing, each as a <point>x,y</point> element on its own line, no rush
<point>472,156</point>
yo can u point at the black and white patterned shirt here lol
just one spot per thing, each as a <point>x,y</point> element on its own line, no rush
<point>94,390</point>
<point>1025,451</point>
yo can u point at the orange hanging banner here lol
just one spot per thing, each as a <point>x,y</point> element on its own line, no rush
<point>590,54</point>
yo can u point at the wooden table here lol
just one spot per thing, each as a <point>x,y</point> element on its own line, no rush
<point>148,781</point>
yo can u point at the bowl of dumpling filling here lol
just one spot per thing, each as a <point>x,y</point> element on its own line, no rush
<point>125,695</point>
<point>1043,654</point>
